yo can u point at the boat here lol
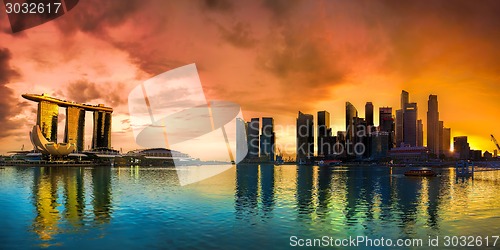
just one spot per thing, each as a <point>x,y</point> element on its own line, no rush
<point>328,163</point>
<point>420,173</point>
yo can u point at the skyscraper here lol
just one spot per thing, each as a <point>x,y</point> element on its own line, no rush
<point>405,99</point>
<point>386,124</point>
<point>410,115</point>
<point>420,133</point>
<point>323,133</point>
<point>399,127</point>
<point>441,139</point>
<point>461,147</point>
<point>350,113</point>
<point>369,114</point>
<point>385,119</point>
<point>267,139</point>
<point>446,141</point>
<point>75,127</point>
<point>102,130</point>
<point>305,137</point>
<point>253,138</point>
<point>433,125</point>
<point>47,117</point>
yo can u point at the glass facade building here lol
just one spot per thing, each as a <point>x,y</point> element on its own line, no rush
<point>305,137</point>
<point>324,132</point>
<point>47,117</point>
<point>75,127</point>
<point>102,130</point>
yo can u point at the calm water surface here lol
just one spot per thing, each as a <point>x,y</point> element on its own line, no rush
<point>248,206</point>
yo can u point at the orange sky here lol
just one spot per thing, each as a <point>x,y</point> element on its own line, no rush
<point>274,58</point>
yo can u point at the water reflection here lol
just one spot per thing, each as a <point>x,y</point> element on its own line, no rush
<point>253,202</point>
<point>54,211</point>
<point>353,198</point>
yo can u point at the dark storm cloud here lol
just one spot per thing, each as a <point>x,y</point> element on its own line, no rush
<point>217,5</point>
<point>280,8</point>
<point>239,35</point>
<point>423,33</point>
<point>7,102</point>
<point>95,16</point>
<point>84,91</point>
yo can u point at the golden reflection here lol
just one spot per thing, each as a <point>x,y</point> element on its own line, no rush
<point>51,217</point>
<point>45,199</point>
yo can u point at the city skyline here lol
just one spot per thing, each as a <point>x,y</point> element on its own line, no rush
<point>305,55</point>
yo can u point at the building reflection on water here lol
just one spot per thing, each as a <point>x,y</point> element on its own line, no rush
<point>340,201</point>
<point>360,197</point>
<point>60,201</point>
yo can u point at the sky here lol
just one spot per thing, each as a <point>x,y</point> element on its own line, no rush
<point>273,58</point>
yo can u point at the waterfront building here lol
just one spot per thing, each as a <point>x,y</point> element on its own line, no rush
<point>433,125</point>
<point>102,130</point>
<point>446,141</point>
<point>369,114</point>
<point>379,145</point>
<point>476,155</point>
<point>461,147</point>
<point>386,124</point>
<point>267,140</point>
<point>399,127</point>
<point>405,99</point>
<point>350,114</point>
<point>44,133</point>
<point>305,138</point>
<point>409,154</point>
<point>420,133</point>
<point>75,127</point>
<point>323,133</point>
<point>47,118</point>
<point>410,124</point>
<point>253,138</point>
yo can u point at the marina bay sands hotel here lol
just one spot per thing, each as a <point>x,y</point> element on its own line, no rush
<point>47,119</point>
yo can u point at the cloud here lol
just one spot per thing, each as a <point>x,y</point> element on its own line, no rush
<point>8,104</point>
<point>96,16</point>
<point>84,91</point>
<point>240,35</point>
<point>217,5</point>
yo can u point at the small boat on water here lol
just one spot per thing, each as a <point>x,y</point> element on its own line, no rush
<point>420,173</point>
<point>328,163</point>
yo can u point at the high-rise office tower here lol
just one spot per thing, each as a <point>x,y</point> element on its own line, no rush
<point>440,133</point>
<point>75,127</point>
<point>253,138</point>
<point>433,125</point>
<point>410,115</point>
<point>323,133</point>
<point>420,133</point>
<point>399,127</point>
<point>446,140</point>
<point>350,113</point>
<point>461,147</point>
<point>102,130</point>
<point>369,114</point>
<point>267,139</point>
<point>405,99</point>
<point>305,137</point>
<point>47,117</point>
<point>386,124</point>
<point>385,119</point>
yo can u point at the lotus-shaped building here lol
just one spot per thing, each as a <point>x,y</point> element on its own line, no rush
<point>41,144</point>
